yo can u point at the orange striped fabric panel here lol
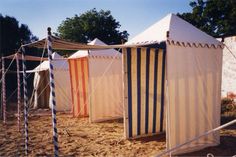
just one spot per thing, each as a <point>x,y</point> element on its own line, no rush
<point>79,86</point>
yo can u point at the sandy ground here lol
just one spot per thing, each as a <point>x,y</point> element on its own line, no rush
<point>78,137</point>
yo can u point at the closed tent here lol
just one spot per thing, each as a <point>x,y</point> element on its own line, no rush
<point>62,84</point>
<point>177,87</point>
<point>96,83</point>
<point>229,66</point>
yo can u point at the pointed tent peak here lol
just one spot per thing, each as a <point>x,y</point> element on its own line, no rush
<point>182,31</point>
<point>58,64</point>
<point>156,33</point>
<point>104,53</point>
<point>55,55</point>
<point>96,41</point>
<point>79,54</point>
<point>179,31</point>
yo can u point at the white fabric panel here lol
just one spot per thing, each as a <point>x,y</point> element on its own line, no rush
<point>194,95</point>
<point>229,67</point>
<point>105,88</point>
<point>62,90</point>
<point>36,84</point>
<point>62,84</point>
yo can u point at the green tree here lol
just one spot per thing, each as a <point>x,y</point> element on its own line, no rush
<point>215,17</point>
<point>92,24</point>
<point>11,34</point>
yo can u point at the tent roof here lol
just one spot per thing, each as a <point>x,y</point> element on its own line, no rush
<point>58,63</point>
<point>179,31</point>
<point>105,52</point>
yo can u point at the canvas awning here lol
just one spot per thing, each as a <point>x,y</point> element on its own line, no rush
<point>60,44</point>
<point>27,57</point>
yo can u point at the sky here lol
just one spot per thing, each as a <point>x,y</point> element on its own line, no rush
<point>133,15</point>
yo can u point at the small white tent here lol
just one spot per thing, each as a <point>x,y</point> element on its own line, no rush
<point>62,84</point>
<point>229,66</point>
<point>192,66</point>
<point>96,83</point>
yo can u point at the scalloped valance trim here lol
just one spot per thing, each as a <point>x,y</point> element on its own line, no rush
<point>189,44</point>
<point>104,57</point>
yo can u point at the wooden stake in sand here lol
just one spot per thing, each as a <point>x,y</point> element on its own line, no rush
<point>25,100</point>
<point>3,91</point>
<point>52,93</point>
<point>18,91</point>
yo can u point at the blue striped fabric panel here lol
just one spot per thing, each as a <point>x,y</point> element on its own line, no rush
<point>144,76</point>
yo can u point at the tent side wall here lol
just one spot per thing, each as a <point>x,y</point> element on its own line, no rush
<point>105,88</point>
<point>194,95</point>
<point>79,86</point>
<point>62,90</point>
<point>144,77</point>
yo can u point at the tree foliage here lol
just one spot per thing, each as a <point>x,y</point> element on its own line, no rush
<point>92,24</point>
<point>215,17</point>
<point>11,34</point>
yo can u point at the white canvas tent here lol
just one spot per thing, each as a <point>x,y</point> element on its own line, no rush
<point>229,66</point>
<point>192,66</point>
<point>96,83</point>
<point>62,84</point>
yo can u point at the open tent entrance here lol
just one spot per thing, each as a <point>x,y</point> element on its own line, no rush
<point>41,90</point>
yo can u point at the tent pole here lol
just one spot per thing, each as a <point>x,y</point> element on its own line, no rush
<point>18,91</point>
<point>52,93</point>
<point>3,91</point>
<point>25,100</point>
